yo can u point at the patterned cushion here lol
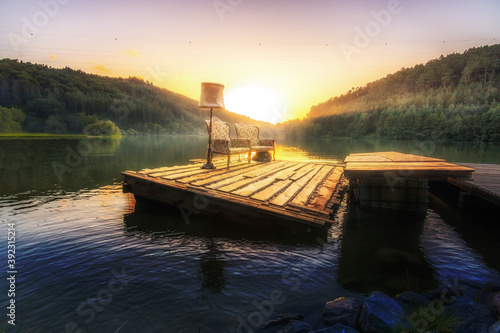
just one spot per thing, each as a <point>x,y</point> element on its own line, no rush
<point>239,150</point>
<point>246,131</point>
<point>266,142</point>
<point>220,146</point>
<point>221,130</point>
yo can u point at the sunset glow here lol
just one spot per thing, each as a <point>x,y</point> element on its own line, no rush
<point>256,102</point>
<point>292,54</point>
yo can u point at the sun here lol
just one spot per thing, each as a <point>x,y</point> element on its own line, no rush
<point>255,101</point>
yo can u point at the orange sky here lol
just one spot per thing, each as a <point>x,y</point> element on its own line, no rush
<point>276,58</point>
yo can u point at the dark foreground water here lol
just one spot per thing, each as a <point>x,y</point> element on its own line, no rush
<point>90,259</point>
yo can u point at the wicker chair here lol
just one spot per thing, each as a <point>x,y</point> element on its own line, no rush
<point>223,144</point>
<point>251,132</point>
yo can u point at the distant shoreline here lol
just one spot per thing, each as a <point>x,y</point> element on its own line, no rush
<point>41,136</point>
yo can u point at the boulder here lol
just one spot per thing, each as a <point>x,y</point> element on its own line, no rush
<point>380,313</point>
<point>412,299</point>
<point>283,319</point>
<point>343,310</point>
<point>496,304</point>
<point>446,295</point>
<point>338,328</point>
<point>495,328</point>
<point>296,326</point>
<point>472,317</point>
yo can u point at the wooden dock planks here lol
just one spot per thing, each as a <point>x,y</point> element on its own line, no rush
<point>485,182</point>
<point>296,192</point>
<point>257,187</point>
<point>396,165</point>
<point>305,193</point>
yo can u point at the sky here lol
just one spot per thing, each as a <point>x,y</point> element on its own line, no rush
<point>276,58</point>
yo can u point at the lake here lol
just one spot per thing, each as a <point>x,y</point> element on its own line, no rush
<point>91,259</point>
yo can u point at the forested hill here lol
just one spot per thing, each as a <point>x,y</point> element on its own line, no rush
<point>37,98</point>
<point>455,97</point>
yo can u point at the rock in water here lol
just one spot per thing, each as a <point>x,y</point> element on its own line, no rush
<point>496,304</point>
<point>472,317</point>
<point>380,313</point>
<point>343,310</point>
<point>495,328</point>
<point>295,326</point>
<point>412,299</point>
<point>283,319</point>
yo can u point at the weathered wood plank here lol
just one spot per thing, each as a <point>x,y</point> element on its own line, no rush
<point>303,196</point>
<point>405,166</point>
<point>230,184</point>
<point>159,172</point>
<point>326,190</point>
<point>244,181</point>
<point>258,172</point>
<point>302,171</point>
<point>485,182</point>
<point>263,182</point>
<point>362,158</point>
<point>294,188</point>
<point>231,173</point>
<point>188,168</point>
<point>272,190</point>
<point>431,170</point>
<point>214,173</point>
<point>285,174</point>
<point>389,156</point>
<point>183,173</point>
<point>156,171</point>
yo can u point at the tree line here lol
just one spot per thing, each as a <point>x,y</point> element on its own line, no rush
<point>453,97</point>
<point>41,99</point>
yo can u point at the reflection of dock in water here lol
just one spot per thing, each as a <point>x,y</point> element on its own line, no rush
<point>381,251</point>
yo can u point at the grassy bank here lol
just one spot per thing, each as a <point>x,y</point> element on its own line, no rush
<point>41,136</point>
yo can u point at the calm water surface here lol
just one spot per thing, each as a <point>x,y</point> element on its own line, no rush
<point>90,258</point>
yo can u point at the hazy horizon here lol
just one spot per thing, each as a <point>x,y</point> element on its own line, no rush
<point>275,59</point>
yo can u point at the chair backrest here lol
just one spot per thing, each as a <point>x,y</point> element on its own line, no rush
<point>246,131</point>
<point>221,130</point>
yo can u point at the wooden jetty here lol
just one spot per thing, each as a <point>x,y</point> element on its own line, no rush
<point>485,183</point>
<point>392,180</point>
<point>293,193</point>
<point>289,193</point>
<point>397,165</point>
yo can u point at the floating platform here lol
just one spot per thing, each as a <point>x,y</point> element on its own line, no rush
<point>392,180</point>
<point>289,193</point>
<point>395,165</point>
